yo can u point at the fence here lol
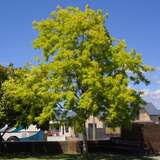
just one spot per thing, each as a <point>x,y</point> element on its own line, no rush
<point>66,147</point>
<point>140,139</point>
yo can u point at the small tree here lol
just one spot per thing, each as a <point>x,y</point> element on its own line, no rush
<point>20,103</point>
<point>27,95</point>
<point>7,113</point>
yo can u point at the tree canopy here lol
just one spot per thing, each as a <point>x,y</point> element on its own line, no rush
<point>7,113</point>
<point>88,70</point>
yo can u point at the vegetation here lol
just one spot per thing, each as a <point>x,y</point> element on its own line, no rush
<point>23,94</point>
<point>8,115</point>
<point>89,72</point>
<point>84,70</point>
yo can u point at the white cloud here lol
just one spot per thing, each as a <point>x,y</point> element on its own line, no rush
<point>145,92</point>
<point>156,94</point>
<point>152,96</point>
<point>158,81</point>
<point>157,68</point>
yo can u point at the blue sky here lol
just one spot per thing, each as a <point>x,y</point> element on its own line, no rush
<point>137,22</point>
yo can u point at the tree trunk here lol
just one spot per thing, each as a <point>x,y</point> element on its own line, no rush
<point>94,129</point>
<point>84,143</point>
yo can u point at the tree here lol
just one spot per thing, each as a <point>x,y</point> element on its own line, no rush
<point>7,114</point>
<point>85,71</point>
<point>19,104</point>
<point>25,95</point>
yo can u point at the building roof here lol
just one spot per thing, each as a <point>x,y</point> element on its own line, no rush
<point>151,109</point>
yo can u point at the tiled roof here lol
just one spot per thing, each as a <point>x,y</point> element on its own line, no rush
<point>151,109</point>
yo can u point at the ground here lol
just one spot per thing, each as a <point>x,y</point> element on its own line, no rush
<point>78,157</point>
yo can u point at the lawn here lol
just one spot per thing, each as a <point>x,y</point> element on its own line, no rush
<point>77,157</point>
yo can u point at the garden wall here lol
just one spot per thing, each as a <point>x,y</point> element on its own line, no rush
<point>147,134</point>
<point>66,147</point>
<point>40,147</point>
<point>141,138</point>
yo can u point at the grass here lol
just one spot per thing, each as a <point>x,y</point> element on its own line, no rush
<point>78,157</point>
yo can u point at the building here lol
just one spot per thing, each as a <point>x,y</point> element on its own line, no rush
<point>61,133</point>
<point>98,130</point>
<point>148,113</point>
<point>95,129</point>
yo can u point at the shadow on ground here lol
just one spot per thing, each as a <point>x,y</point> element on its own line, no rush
<point>78,157</point>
